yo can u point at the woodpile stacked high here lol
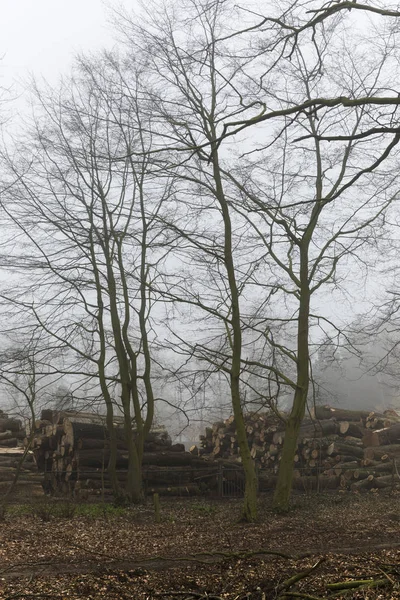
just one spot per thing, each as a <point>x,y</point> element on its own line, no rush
<point>29,481</point>
<point>72,450</point>
<point>337,448</point>
<point>12,433</point>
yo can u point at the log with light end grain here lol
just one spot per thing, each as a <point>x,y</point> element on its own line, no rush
<point>389,435</point>
<point>343,448</point>
<point>257,452</point>
<point>377,452</point>
<point>273,450</point>
<point>363,484</point>
<point>381,437</point>
<point>278,437</point>
<point>369,462</point>
<point>349,428</point>
<point>75,430</point>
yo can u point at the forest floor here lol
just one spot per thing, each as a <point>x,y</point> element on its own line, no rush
<point>201,550</point>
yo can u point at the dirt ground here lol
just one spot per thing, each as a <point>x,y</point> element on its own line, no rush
<point>201,550</point>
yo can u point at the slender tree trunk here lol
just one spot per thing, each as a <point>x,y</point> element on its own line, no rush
<point>249,509</point>
<point>250,497</point>
<point>134,486</point>
<point>112,461</point>
<point>285,476</point>
<point>136,491</point>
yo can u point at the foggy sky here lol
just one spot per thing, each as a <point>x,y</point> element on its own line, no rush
<point>42,36</point>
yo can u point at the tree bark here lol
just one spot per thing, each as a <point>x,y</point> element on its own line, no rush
<point>286,466</point>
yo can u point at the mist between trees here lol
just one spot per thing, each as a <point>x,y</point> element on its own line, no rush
<point>194,224</point>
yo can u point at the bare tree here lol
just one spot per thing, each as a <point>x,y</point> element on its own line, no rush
<point>241,180</point>
<point>24,375</point>
<point>90,245</point>
<point>279,126</point>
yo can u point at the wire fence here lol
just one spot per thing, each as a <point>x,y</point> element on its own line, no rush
<point>229,482</point>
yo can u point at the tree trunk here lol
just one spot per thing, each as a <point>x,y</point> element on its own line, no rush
<point>286,467</point>
<point>235,337</point>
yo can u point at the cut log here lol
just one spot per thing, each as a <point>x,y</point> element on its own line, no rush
<point>376,453</point>
<point>87,443</point>
<point>319,429</point>
<point>362,484</point>
<point>74,431</point>
<point>381,437</point>
<point>58,417</point>
<point>175,447</point>
<point>340,414</point>
<point>343,448</point>
<point>179,490</point>
<point>383,467</point>
<point>352,429</point>
<point>387,481</point>
<point>361,474</point>
<point>9,443</point>
<point>13,425</point>
<point>313,483</point>
<point>170,459</point>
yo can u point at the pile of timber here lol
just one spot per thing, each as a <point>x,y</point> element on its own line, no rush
<point>72,450</point>
<point>13,462</point>
<point>337,448</point>
<point>12,432</point>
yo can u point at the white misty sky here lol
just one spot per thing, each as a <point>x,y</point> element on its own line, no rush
<point>42,36</point>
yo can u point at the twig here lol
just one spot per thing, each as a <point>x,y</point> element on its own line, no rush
<point>387,576</point>
<point>300,595</point>
<point>348,585</point>
<point>194,557</point>
<point>297,577</point>
<point>202,596</point>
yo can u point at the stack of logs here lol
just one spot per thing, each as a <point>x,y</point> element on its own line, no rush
<point>72,450</point>
<point>13,461</point>
<point>11,431</point>
<point>337,448</point>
